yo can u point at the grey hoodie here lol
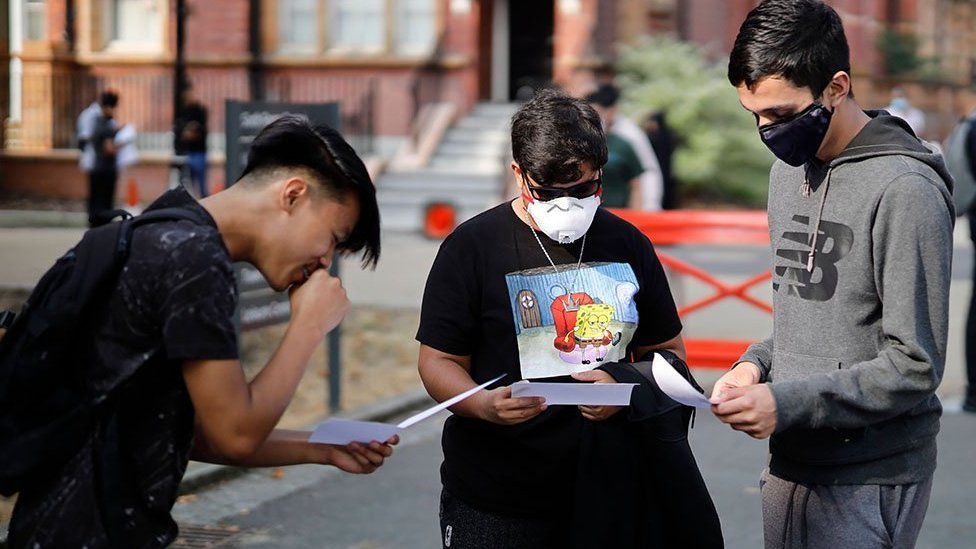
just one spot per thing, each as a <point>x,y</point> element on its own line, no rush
<point>859,325</point>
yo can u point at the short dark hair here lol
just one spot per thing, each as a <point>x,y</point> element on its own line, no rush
<point>554,134</point>
<point>606,95</point>
<point>802,41</point>
<point>108,98</point>
<point>291,142</point>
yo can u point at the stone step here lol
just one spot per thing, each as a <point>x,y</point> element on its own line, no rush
<point>488,123</point>
<point>425,180</point>
<point>460,148</point>
<point>495,109</point>
<point>465,164</point>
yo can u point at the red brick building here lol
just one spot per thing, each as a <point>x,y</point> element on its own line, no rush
<point>944,30</point>
<point>381,59</point>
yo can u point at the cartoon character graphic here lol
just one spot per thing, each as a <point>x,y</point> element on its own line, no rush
<point>561,330</point>
<point>590,338</point>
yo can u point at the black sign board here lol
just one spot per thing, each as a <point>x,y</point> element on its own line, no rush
<point>261,306</point>
<point>245,120</point>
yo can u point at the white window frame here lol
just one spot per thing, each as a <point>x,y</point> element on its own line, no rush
<point>325,43</point>
<point>33,7</point>
<point>118,45</point>
<point>293,48</point>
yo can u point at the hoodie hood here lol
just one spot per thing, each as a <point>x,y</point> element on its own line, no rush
<point>887,135</point>
<point>884,135</point>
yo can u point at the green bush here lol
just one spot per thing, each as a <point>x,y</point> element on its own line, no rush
<point>719,155</point>
<point>900,51</point>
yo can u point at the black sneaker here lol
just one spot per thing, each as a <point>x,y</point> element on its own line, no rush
<point>969,405</point>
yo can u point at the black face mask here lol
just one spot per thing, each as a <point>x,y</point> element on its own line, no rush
<point>797,139</point>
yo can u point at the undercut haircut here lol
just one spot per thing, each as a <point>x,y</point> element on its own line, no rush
<point>290,142</point>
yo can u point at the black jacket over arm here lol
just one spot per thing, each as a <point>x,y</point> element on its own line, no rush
<point>638,484</point>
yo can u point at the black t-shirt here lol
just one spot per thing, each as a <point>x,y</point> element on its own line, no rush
<point>192,126</point>
<point>104,132</point>
<point>492,295</point>
<point>175,301</point>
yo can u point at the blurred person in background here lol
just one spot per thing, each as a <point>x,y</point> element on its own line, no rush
<point>192,130</point>
<point>901,107</point>
<point>960,155</point>
<point>104,173</point>
<point>632,176</point>
<point>663,141</point>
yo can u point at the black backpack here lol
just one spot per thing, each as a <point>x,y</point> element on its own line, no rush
<point>48,408</point>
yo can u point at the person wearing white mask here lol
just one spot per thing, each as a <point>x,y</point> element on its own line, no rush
<point>901,107</point>
<point>550,286</point>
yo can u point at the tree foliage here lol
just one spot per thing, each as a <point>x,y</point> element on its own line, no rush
<point>719,154</point>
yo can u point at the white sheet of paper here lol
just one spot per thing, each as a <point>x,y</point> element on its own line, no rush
<point>675,386</point>
<point>578,394</point>
<point>344,431</point>
<point>445,405</point>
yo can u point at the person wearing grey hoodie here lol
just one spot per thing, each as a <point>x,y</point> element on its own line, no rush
<point>860,220</point>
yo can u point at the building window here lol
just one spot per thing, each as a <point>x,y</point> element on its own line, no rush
<point>133,25</point>
<point>415,32</point>
<point>299,26</point>
<point>406,28</point>
<point>358,26</point>
<point>35,20</point>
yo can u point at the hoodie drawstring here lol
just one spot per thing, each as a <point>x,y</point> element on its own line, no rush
<point>816,227</point>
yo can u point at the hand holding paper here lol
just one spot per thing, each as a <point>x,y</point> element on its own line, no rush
<point>676,386</point>
<point>345,431</point>
<point>577,394</point>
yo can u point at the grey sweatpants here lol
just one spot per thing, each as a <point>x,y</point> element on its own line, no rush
<point>837,517</point>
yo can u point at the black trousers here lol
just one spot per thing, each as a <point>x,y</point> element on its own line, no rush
<point>101,193</point>
<point>971,323</point>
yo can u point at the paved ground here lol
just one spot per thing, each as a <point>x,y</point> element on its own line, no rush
<point>397,506</point>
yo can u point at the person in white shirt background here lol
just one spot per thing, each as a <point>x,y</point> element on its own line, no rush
<point>901,107</point>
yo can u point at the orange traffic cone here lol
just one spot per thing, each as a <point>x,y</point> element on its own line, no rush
<point>132,197</point>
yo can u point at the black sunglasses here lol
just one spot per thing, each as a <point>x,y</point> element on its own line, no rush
<point>585,189</point>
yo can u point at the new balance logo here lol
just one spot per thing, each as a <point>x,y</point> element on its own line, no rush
<point>833,244</point>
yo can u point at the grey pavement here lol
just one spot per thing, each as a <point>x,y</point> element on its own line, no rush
<point>397,506</point>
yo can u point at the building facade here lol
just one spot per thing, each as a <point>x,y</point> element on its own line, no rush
<point>382,60</point>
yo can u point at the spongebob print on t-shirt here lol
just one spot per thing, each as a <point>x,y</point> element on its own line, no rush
<point>568,321</point>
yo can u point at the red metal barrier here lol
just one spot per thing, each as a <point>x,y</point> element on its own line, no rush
<point>689,227</point>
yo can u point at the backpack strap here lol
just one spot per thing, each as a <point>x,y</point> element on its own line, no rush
<point>153,216</point>
<point>7,319</point>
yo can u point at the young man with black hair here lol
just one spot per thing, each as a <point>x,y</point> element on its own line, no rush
<point>551,286</point>
<point>860,215</point>
<point>169,353</point>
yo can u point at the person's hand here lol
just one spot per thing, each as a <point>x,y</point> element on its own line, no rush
<point>359,459</point>
<point>596,413</point>
<point>743,375</point>
<point>498,406</point>
<point>751,410</point>
<point>320,302</point>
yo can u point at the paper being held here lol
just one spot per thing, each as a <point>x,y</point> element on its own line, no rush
<point>345,431</point>
<point>675,386</point>
<point>578,394</point>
